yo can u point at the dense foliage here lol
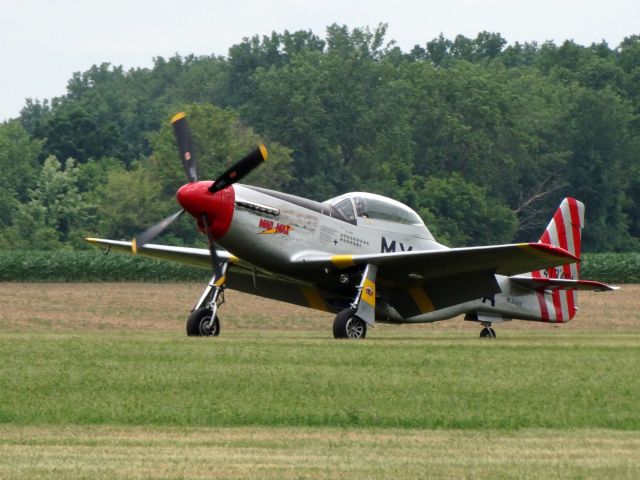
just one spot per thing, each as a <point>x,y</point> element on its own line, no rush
<point>482,137</point>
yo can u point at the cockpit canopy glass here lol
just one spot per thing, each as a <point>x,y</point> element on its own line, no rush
<point>369,205</point>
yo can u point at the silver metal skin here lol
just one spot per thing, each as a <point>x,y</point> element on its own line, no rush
<point>314,232</point>
<point>513,302</point>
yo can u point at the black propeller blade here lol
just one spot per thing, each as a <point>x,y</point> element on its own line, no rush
<point>153,231</point>
<point>185,145</point>
<point>215,263</point>
<point>240,169</point>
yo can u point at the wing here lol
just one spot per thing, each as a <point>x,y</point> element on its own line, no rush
<point>194,257</point>
<point>419,282</point>
<point>241,275</point>
<point>406,267</point>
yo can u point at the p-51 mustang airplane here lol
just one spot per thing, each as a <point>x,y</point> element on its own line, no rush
<point>365,257</point>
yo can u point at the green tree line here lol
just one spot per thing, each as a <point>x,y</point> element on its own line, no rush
<point>483,138</point>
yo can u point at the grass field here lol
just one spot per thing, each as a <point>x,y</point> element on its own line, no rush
<point>99,381</point>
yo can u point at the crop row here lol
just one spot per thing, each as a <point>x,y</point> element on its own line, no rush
<point>90,266</point>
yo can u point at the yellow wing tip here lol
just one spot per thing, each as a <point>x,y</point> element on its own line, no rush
<point>178,116</point>
<point>263,152</point>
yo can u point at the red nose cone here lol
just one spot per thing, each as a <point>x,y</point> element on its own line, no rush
<point>196,199</point>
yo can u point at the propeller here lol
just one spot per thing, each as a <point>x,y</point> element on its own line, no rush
<point>153,231</point>
<point>240,169</point>
<point>213,253</point>
<point>185,147</point>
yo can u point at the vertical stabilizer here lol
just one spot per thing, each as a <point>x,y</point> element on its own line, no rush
<point>564,231</point>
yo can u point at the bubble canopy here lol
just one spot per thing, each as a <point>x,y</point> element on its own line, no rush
<point>377,207</point>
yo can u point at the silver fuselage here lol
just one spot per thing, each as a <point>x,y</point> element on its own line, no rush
<point>304,228</point>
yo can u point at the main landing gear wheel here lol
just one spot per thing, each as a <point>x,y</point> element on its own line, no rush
<point>348,325</point>
<point>487,332</point>
<point>198,324</point>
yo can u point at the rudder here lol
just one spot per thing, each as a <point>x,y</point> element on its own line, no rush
<point>564,231</point>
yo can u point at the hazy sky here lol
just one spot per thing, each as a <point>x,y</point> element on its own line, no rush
<point>42,42</point>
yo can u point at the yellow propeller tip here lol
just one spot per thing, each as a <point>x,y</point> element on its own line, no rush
<point>134,247</point>
<point>178,116</point>
<point>263,151</point>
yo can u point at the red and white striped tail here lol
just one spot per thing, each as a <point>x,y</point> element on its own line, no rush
<point>564,230</point>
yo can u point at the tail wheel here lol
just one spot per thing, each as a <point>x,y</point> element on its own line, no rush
<point>348,325</point>
<point>487,332</point>
<point>198,324</point>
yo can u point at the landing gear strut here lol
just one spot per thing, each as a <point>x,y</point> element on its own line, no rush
<point>352,322</point>
<point>204,321</point>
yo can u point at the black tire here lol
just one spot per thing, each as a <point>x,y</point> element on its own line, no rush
<point>197,324</point>
<point>487,332</point>
<point>348,325</point>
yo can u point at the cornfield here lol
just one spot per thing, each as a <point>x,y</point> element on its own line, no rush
<point>91,266</point>
<point>611,267</point>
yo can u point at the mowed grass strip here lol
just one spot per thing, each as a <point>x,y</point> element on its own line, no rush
<point>140,452</point>
<point>547,380</point>
<point>99,381</point>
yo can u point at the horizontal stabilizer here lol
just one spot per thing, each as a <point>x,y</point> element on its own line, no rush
<point>562,284</point>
